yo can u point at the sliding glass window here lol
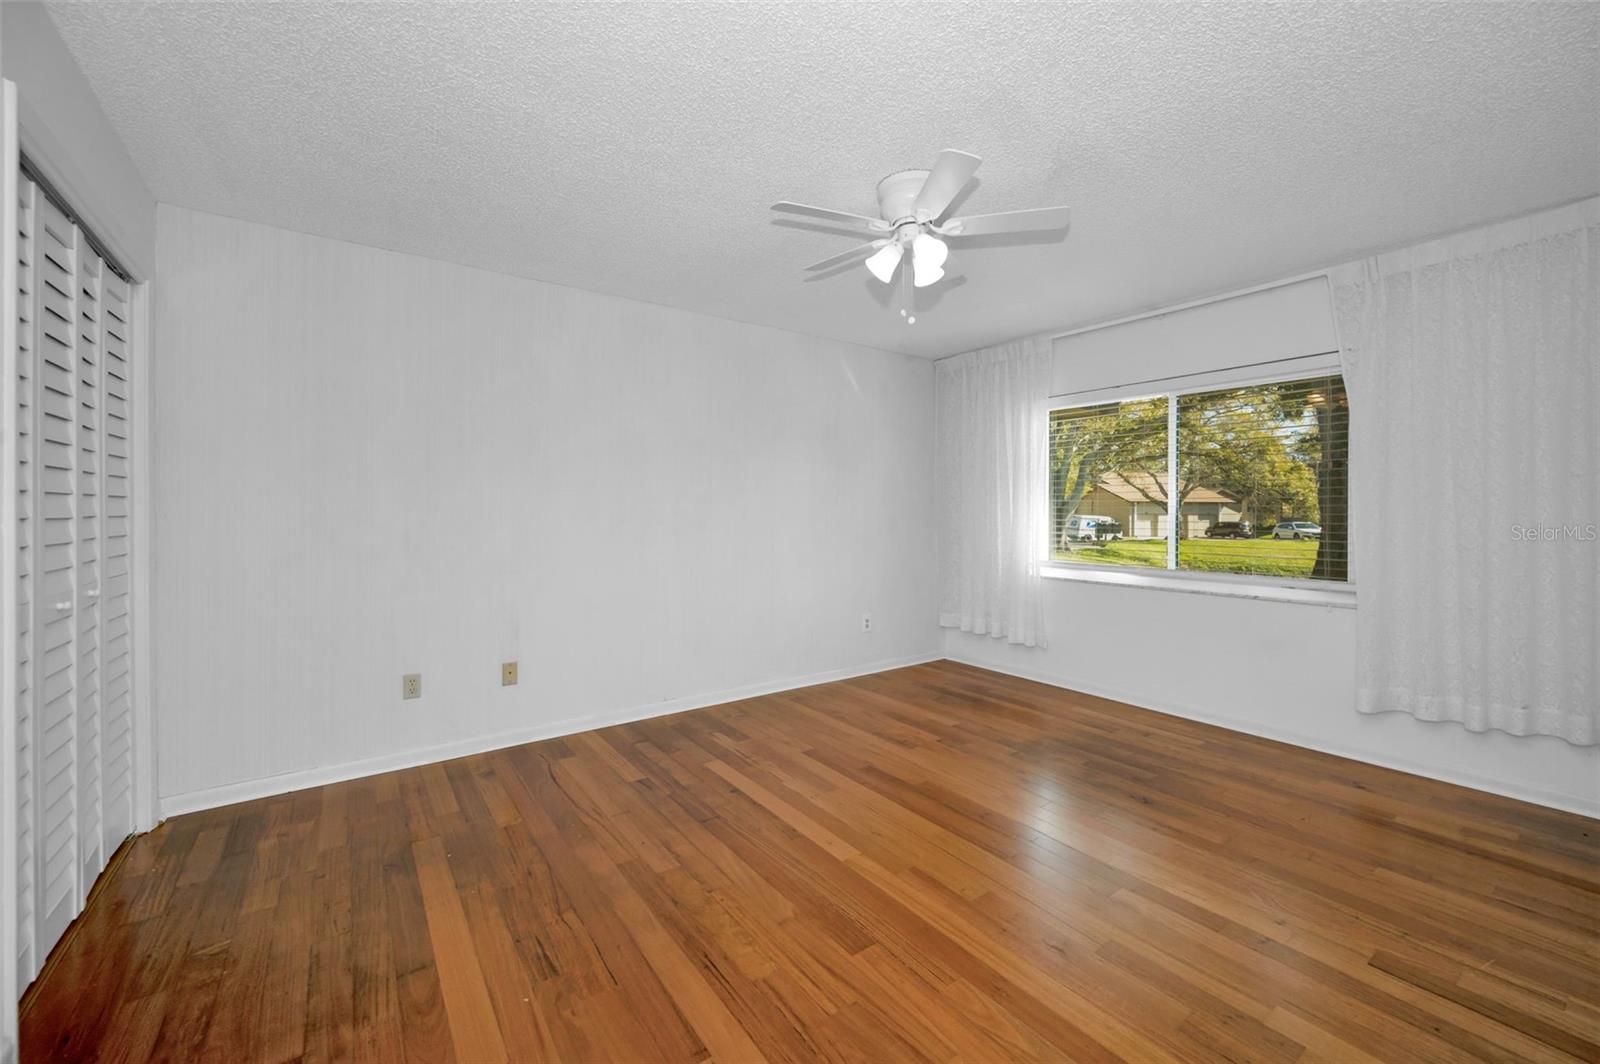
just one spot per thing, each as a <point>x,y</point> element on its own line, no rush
<point>1260,486</point>
<point>1108,483</point>
<point>1263,480</point>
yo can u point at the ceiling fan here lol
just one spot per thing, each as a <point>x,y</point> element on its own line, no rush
<point>910,206</point>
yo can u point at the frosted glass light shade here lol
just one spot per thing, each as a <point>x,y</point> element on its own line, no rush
<point>927,259</point>
<point>883,261</point>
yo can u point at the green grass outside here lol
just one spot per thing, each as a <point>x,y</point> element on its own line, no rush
<point>1259,557</point>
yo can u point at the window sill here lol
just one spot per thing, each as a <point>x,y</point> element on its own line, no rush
<point>1341,597</point>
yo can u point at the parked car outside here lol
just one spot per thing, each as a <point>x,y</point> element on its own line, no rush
<point>1297,530</point>
<point>1231,530</point>
<point>1090,528</point>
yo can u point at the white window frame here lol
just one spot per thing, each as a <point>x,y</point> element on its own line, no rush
<point>1337,594</point>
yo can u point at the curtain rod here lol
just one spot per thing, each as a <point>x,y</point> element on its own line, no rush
<point>1191,304</point>
<point>1198,373</point>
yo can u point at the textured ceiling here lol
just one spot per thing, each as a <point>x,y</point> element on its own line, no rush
<point>635,149</point>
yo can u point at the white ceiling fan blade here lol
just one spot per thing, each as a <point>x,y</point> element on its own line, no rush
<point>1038,219</point>
<point>859,221</point>
<point>846,256</point>
<point>948,177</point>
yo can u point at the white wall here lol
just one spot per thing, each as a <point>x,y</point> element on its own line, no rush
<point>369,464</point>
<point>1293,320</point>
<point>1284,670</point>
<point>66,133</point>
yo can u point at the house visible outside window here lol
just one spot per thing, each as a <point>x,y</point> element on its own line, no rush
<point>1258,477</point>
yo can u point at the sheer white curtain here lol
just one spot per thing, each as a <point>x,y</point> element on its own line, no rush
<point>1473,366</point>
<point>992,463</point>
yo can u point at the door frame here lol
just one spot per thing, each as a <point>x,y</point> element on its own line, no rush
<point>9,172</point>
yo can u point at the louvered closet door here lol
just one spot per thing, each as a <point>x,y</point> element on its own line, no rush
<point>115,602</point>
<point>74,734</point>
<point>54,650</point>
<point>87,509</point>
<point>28,960</point>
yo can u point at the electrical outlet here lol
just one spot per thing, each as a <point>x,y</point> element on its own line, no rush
<point>411,685</point>
<point>866,622</point>
<point>508,673</point>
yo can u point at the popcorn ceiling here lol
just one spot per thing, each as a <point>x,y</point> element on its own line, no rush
<point>635,150</point>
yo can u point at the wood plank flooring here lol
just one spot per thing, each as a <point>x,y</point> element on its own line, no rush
<point>937,863</point>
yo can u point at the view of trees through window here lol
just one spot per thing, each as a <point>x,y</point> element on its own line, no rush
<point>1262,485</point>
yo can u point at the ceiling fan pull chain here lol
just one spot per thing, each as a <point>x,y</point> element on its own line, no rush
<point>908,307</point>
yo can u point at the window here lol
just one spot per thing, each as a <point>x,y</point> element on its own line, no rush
<point>1257,475</point>
<point>1108,482</point>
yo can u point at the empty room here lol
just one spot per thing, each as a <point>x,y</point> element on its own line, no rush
<point>799,531</point>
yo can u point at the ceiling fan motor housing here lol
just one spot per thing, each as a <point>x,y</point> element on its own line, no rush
<point>897,192</point>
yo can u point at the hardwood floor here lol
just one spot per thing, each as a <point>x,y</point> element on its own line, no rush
<point>936,863</point>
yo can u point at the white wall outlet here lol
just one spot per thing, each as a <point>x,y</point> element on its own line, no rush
<point>866,622</point>
<point>411,685</point>
<point>508,673</point>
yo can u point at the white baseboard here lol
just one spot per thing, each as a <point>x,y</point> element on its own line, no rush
<point>1551,799</point>
<point>267,786</point>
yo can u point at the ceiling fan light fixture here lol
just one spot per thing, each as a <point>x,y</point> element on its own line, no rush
<point>883,261</point>
<point>910,206</point>
<point>930,249</point>
<point>927,259</point>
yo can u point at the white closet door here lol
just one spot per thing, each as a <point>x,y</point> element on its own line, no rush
<point>28,960</point>
<point>86,632</point>
<point>54,651</point>
<point>115,602</point>
<point>74,734</point>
